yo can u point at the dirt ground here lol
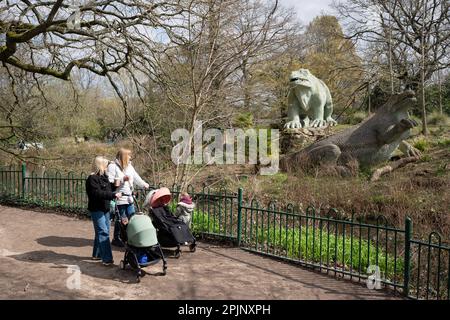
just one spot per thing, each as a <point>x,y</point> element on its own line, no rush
<point>37,248</point>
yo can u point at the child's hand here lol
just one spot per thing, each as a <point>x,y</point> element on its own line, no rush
<point>125,220</point>
<point>118,195</point>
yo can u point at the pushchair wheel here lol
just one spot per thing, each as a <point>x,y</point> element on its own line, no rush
<point>177,253</point>
<point>192,247</point>
<point>122,265</point>
<point>140,274</point>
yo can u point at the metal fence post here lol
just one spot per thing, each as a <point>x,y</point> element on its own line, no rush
<point>24,172</point>
<point>239,217</point>
<point>407,263</point>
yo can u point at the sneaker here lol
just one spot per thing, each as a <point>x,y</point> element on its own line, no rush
<point>96,258</point>
<point>117,243</point>
<point>107,264</point>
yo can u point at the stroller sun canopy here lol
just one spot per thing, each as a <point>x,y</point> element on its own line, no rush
<point>140,232</point>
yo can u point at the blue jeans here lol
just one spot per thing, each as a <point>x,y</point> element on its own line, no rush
<point>125,210</point>
<point>102,246</point>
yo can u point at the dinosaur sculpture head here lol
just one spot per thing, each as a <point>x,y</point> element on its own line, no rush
<point>301,77</point>
<point>400,102</point>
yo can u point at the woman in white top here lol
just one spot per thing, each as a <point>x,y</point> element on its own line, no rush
<point>122,173</point>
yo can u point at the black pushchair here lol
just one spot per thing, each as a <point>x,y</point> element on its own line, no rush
<point>171,231</point>
<point>141,244</point>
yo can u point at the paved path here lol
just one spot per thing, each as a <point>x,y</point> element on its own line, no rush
<point>36,248</point>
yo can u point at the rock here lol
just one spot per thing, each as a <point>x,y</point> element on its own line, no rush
<point>296,139</point>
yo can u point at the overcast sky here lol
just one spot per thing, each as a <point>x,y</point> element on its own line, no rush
<point>308,9</point>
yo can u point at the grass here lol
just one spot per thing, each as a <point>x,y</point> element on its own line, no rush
<point>426,158</point>
<point>443,143</point>
<point>441,171</point>
<point>435,118</point>
<point>422,144</point>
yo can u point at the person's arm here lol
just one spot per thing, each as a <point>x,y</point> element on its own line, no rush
<point>178,211</point>
<point>141,183</point>
<point>111,172</point>
<point>95,190</point>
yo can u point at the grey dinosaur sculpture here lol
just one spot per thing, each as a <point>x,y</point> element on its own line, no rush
<point>371,142</point>
<point>309,101</point>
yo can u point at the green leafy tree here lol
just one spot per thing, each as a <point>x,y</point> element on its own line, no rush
<point>332,58</point>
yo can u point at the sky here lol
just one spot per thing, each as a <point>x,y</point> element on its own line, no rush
<point>307,9</point>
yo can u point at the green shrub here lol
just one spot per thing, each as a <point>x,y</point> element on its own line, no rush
<point>425,158</point>
<point>328,249</point>
<point>365,172</point>
<point>443,143</point>
<point>90,128</point>
<point>441,171</point>
<point>311,244</point>
<point>244,120</point>
<point>204,223</point>
<point>421,144</point>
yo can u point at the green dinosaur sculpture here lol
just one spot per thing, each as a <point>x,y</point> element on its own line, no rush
<point>309,101</point>
<point>370,142</point>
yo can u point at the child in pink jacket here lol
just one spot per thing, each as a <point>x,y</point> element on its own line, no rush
<point>185,208</point>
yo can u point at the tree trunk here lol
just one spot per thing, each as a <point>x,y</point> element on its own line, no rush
<point>245,83</point>
<point>424,110</point>
<point>391,167</point>
<point>440,91</point>
<point>391,73</point>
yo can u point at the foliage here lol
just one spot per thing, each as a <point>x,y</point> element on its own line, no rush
<point>204,223</point>
<point>439,95</point>
<point>355,117</point>
<point>421,144</point>
<point>311,244</point>
<point>272,76</point>
<point>317,245</point>
<point>443,142</point>
<point>333,59</point>
<point>244,120</point>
